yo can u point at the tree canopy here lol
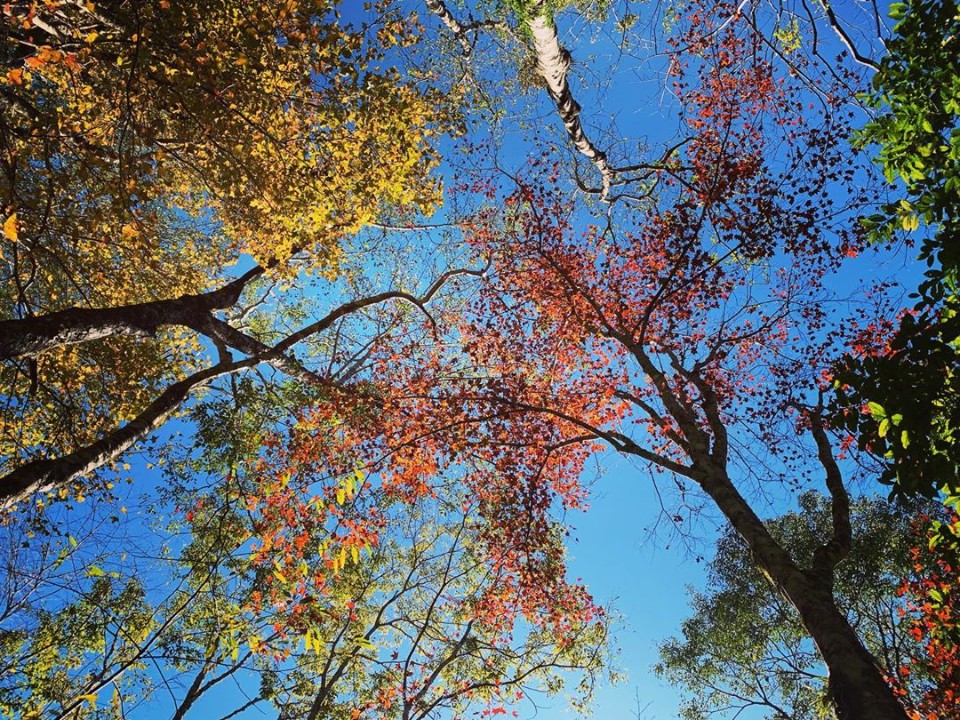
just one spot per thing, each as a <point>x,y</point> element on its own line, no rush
<point>352,296</point>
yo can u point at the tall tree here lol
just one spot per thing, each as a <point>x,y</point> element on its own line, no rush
<point>688,331</point>
<point>744,646</point>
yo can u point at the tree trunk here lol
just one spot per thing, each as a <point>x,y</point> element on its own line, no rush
<point>857,687</point>
<point>553,62</point>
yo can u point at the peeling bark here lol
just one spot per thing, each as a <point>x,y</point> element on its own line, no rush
<point>438,8</point>
<point>553,63</point>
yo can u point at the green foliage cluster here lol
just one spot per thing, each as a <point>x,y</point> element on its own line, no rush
<point>913,390</point>
<point>526,10</point>
<point>744,645</point>
<point>912,395</point>
<point>918,90</point>
<point>61,658</point>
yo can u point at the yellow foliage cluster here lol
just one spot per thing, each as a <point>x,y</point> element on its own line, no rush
<point>146,147</point>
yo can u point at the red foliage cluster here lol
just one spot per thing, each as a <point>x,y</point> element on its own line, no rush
<point>933,601</point>
<point>580,336</point>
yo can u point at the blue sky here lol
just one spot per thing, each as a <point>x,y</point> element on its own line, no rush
<point>623,548</point>
<point>642,572</point>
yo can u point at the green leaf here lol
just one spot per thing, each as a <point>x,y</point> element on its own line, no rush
<point>876,409</point>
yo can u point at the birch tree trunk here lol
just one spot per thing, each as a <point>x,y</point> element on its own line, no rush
<point>553,63</point>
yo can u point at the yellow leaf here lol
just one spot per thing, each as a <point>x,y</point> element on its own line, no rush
<point>128,232</point>
<point>10,231</point>
<point>341,496</point>
<point>356,554</point>
<point>90,698</point>
<point>90,37</point>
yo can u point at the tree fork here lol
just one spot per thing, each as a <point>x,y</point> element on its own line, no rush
<point>857,687</point>
<point>31,336</point>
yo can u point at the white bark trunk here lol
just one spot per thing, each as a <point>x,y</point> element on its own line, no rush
<point>553,63</point>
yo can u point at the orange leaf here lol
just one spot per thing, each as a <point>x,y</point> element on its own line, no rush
<point>10,231</point>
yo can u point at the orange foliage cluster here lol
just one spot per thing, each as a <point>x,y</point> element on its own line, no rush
<point>933,606</point>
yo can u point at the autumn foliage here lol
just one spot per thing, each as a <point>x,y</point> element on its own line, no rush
<point>148,147</point>
<point>932,610</point>
<point>200,207</point>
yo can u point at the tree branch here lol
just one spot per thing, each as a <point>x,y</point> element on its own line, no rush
<point>553,62</point>
<point>47,474</point>
<point>828,556</point>
<point>31,336</point>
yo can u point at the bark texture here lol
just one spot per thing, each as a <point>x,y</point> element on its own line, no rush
<point>553,63</point>
<point>858,690</point>
<point>439,8</point>
<point>31,336</point>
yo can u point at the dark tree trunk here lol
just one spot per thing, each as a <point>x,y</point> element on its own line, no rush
<point>857,687</point>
